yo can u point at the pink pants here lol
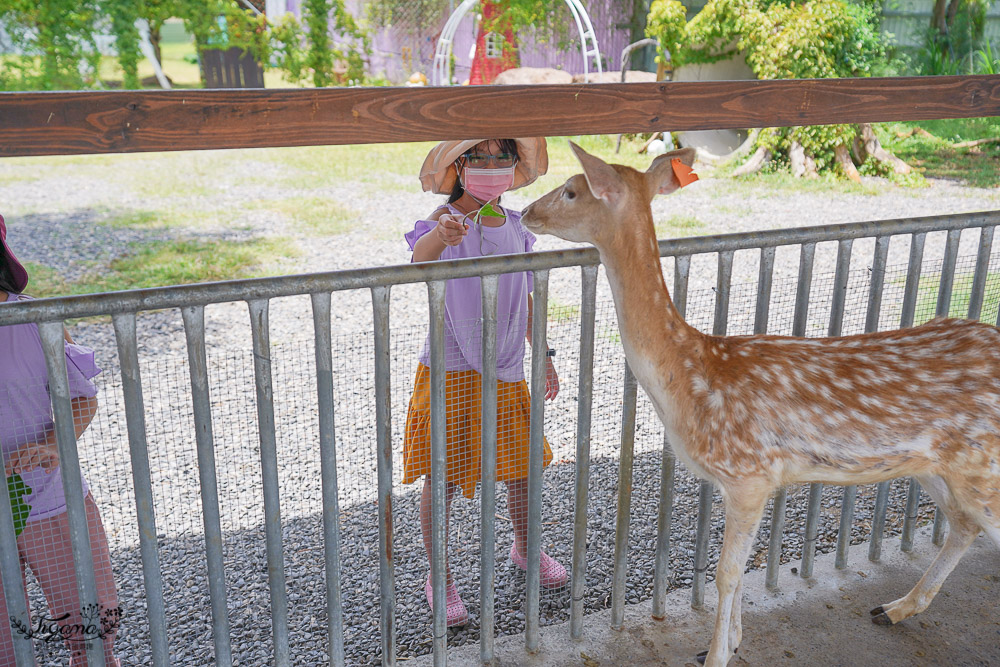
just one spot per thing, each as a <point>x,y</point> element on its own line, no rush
<point>44,546</point>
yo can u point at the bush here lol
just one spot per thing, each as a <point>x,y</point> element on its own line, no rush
<point>815,40</point>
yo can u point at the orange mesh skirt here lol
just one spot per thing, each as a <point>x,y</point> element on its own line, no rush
<point>463,396</point>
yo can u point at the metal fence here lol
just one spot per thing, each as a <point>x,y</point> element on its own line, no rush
<point>336,526</point>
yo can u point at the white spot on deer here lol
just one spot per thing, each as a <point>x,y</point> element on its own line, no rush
<point>844,384</point>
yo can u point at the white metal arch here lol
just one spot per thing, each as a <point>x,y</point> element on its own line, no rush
<point>442,54</point>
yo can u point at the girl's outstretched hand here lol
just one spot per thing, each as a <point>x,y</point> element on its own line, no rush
<point>32,455</point>
<point>551,380</point>
<point>451,229</point>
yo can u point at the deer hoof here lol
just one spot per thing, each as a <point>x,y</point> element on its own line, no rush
<point>877,610</point>
<point>704,654</point>
<point>882,619</point>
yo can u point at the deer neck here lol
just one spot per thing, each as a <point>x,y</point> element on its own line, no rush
<point>654,334</point>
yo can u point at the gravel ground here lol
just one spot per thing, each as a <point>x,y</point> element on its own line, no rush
<point>63,227</point>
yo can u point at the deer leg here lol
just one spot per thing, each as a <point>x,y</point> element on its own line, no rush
<point>736,618</point>
<point>962,531</point>
<point>742,518</point>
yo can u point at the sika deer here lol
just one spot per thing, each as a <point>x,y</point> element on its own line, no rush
<point>755,413</point>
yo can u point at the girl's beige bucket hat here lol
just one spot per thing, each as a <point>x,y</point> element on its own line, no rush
<point>438,172</point>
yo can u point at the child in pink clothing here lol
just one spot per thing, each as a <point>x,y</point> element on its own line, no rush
<point>31,465</point>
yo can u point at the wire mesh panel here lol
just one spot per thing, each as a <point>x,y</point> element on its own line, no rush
<point>178,496</point>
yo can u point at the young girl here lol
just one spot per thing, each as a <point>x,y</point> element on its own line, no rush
<point>475,173</point>
<point>31,464</point>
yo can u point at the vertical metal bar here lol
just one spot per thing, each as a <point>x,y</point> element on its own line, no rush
<point>260,332</point>
<point>439,508</point>
<point>383,431</point>
<point>668,468</point>
<point>53,344</point>
<point>878,522</point>
<point>882,497</point>
<point>661,566</point>
<point>765,277</point>
<point>948,273</point>
<point>982,270</point>
<point>487,564</point>
<point>13,589</point>
<point>723,281</point>
<point>762,314</point>
<point>720,324</point>
<point>910,516</point>
<point>839,296</point>
<point>912,288</point>
<point>328,473</point>
<point>194,331</point>
<point>682,270</point>
<point>701,544</point>
<point>585,396</point>
<point>943,310</point>
<point>539,346</point>
<point>910,293</point>
<point>135,417</point>
<point>807,255</point>
<point>850,493</point>
<point>624,509</point>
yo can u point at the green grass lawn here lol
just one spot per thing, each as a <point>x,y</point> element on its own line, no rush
<point>934,156</point>
<point>168,263</point>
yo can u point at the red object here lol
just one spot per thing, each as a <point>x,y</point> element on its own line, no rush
<point>484,68</point>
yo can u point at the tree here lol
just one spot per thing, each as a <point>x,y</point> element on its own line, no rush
<point>320,17</point>
<point>957,27</point>
<point>123,15</point>
<point>56,41</point>
<point>814,40</point>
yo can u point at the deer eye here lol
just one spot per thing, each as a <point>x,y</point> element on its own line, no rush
<point>569,194</point>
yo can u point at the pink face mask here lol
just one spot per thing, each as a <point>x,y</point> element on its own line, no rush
<point>487,184</point>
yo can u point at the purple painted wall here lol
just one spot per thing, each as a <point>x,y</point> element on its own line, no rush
<point>399,51</point>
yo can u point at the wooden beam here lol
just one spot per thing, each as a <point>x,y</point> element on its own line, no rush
<point>68,123</point>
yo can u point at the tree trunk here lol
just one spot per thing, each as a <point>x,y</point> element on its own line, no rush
<point>811,171</point>
<point>640,59</point>
<point>755,163</point>
<point>952,13</point>
<point>874,148</point>
<point>976,142</point>
<point>858,152</point>
<point>938,16</point>
<point>843,157</point>
<point>154,39</point>
<point>797,159</point>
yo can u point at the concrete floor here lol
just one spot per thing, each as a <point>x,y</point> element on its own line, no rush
<point>822,621</point>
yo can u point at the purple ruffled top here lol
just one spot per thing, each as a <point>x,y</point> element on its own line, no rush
<point>25,407</point>
<point>464,305</point>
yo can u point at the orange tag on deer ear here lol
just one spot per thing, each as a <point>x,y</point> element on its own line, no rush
<point>685,175</point>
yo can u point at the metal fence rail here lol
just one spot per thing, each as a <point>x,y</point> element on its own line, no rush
<point>886,299</point>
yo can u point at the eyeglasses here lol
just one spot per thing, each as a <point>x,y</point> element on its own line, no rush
<point>477,161</point>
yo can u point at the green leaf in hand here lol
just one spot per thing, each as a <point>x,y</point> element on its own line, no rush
<point>491,212</point>
<point>16,488</point>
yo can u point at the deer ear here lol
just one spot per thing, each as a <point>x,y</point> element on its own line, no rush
<point>671,171</point>
<point>602,179</point>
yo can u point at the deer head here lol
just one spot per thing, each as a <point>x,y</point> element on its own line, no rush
<point>602,204</point>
